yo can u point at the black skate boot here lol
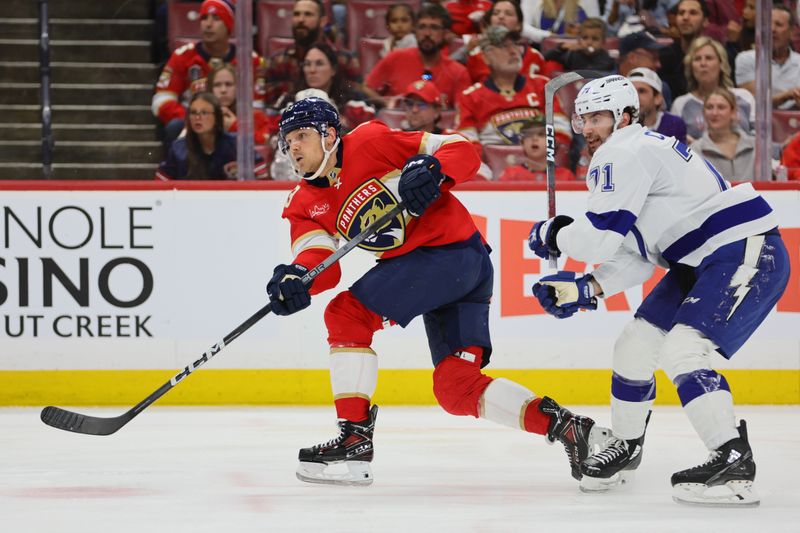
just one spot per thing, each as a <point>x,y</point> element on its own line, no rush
<point>725,479</point>
<point>352,448</point>
<point>614,464</point>
<point>579,434</point>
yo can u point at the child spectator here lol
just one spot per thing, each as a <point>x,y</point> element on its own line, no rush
<point>206,152</point>
<point>651,104</point>
<point>222,83</point>
<point>400,21</point>
<point>534,146</point>
<point>588,52</point>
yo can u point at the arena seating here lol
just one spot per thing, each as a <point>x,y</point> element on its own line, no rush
<point>499,156</point>
<point>367,18</point>
<point>784,125</point>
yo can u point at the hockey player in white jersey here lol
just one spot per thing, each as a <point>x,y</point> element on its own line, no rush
<point>652,201</point>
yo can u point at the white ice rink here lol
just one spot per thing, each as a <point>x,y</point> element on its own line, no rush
<point>232,470</point>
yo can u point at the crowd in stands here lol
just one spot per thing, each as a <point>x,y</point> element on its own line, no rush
<point>478,68</point>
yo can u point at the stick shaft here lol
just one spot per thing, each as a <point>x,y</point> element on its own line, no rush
<point>550,90</point>
<point>90,425</point>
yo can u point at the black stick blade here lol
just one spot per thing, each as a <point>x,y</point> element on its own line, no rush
<point>78,423</point>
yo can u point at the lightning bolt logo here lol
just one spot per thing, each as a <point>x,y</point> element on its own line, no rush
<point>741,280</point>
<point>740,292</point>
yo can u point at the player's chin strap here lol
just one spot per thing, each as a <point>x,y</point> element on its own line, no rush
<point>325,159</point>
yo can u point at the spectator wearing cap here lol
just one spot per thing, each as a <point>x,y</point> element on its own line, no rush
<point>534,147</point>
<point>392,74</point>
<point>691,20</point>
<point>651,104</point>
<point>638,50</point>
<point>423,106</point>
<point>422,103</point>
<point>494,111</point>
<point>785,63</point>
<point>187,68</point>
<point>587,52</point>
<point>284,70</point>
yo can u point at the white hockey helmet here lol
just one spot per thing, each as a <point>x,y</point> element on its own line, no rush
<point>612,93</point>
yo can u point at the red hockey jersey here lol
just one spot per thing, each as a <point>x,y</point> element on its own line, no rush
<point>364,185</point>
<point>490,116</point>
<point>185,74</point>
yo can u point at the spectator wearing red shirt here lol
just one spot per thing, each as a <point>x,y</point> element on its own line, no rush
<point>790,158</point>
<point>467,14</point>
<point>534,145</point>
<point>186,70</point>
<point>284,70</point>
<point>493,112</point>
<point>506,13</point>
<point>393,73</point>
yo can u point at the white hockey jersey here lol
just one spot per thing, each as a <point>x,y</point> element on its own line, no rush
<point>652,201</point>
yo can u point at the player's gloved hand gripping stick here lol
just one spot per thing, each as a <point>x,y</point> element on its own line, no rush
<point>92,425</point>
<point>565,293</point>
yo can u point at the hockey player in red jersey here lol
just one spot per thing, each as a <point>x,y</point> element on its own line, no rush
<point>432,262</point>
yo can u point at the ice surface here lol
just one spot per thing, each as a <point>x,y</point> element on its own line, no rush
<point>232,470</point>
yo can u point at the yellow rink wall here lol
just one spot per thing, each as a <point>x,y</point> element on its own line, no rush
<point>312,387</point>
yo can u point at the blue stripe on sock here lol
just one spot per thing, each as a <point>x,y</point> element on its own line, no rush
<point>632,390</point>
<point>699,382</point>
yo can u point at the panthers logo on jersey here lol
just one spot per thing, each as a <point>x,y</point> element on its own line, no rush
<point>508,123</point>
<point>363,207</point>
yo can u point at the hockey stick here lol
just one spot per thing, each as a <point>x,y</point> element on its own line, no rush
<point>92,425</point>
<point>550,90</point>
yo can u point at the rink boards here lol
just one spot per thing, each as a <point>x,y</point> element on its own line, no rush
<point>105,293</point>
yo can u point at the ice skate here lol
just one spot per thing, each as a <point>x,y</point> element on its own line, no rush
<point>343,460</point>
<point>724,480</point>
<point>613,465</point>
<point>579,434</point>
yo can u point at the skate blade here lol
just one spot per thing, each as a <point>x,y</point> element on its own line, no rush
<point>599,484</point>
<point>348,473</point>
<point>731,494</point>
